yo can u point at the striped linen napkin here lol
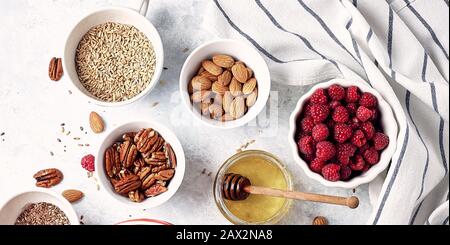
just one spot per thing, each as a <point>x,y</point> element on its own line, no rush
<point>399,47</point>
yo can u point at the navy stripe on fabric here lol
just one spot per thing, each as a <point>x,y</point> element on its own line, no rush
<point>424,67</point>
<point>369,35</point>
<point>441,128</point>
<point>413,218</point>
<point>393,177</point>
<point>304,40</point>
<point>428,27</point>
<point>327,29</point>
<point>445,221</point>
<point>389,45</point>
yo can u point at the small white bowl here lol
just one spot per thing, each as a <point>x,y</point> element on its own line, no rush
<point>16,204</point>
<point>119,15</point>
<point>240,51</point>
<point>116,135</point>
<point>388,123</point>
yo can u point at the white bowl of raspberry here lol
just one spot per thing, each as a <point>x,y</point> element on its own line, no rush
<point>342,133</point>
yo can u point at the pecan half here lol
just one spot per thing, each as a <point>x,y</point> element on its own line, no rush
<point>128,153</point>
<point>55,69</point>
<point>138,165</point>
<point>165,174</point>
<point>112,161</point>
<point>48,177</point>
<point>128,183</point>
<point>136,196</point>
<point>129,136</point>
<point>156,158</point>
<point>155,190</point>
<point>146,139</point>
<point>170,155</point>
<point>147,177</point>
<point>156,169</point>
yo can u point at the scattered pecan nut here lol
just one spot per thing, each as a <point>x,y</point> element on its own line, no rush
<point>48,177</point>
<point>55,69</point>
<point>128,153</point>
<point>155,190</point>
<point>112,161</point>
<point>128,183</point>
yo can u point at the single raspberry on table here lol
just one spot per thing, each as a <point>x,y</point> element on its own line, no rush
<point>345,172</point>
<point>351,108</point>
<point>368,100</point>
<point>325,150</point>
<point>352,94</point>
<point>358,163</point>
<point>306,145</point>
<point>316,165</point>
<point>319,113</point>
<point>368,129</point>
<point>380,141</point>
<point>319,97</point>
<point>320,132</point>
<point>344,152</point>
<point>88,162</point>
<point>358,138</point>
<point>331,172</point>
<point>364,114</point>
<point>307,124</point>
<point>336,92</point>
<point>340,114</point>
<point>371,156</point>
<point>335,104</point>
<point>342,132</point>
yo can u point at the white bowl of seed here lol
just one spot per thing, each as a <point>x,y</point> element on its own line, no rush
<point>38,207</point>
<point>114,56</point>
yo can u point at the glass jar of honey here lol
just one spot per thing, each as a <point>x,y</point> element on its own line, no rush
<point>262,169</point>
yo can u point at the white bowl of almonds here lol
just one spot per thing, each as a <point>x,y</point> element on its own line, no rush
<point>225,83</point>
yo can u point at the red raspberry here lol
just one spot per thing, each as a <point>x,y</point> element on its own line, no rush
<point>380,141</point>
<point>340,114</point>
<point>319,97</point>
<point>352,94</point>
<point>344,152</point>
<point>362,149</point>
<point>316,165</point>
<point>319,113</point>
<point>364,114</point>
<point>345,172</point>
<point>368,129</point>
<point>331,172</point>
<point>358,163</point>
<point>366,167</point>
<point>307,124</point>
<point>325,150</point>
<point>306,145</point>
<point>368,100</point>
<point>88,163</point>
<point>371,156</point>
<point>351,108</point>
<point>335,104</point>
<point>342,132</point>
<point>336,92</point>
<point>308,157</point>
<point>358,138</point>
<point>320,132</point>
<point>355,123</point>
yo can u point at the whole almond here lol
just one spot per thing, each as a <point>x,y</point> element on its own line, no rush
<point>226,101</point>
<point>215,110</point>
<point>224,78</point>
<point>235,87</point>
<point>96,122</point>
<point>72,195</point>
<point>223,60</point>
<point>201,83</point>
<point>240,72</point>
<point>208,75</point>
<point>251,98</point>
<point>199,96</point>
<point>212,68</point>
<point>218,88</point>
<point>250,72</point>
<point>249,86</point>
<point>237,107</point>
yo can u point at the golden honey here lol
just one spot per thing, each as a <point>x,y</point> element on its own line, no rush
<point>262,169</point>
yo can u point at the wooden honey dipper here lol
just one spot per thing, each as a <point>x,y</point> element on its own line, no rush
<point>236,187</point>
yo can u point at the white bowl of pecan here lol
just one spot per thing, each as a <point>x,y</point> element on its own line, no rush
<point>140,164</point>
<point>225,83</point>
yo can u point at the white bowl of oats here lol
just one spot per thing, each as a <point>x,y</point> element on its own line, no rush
<point>114,56</point>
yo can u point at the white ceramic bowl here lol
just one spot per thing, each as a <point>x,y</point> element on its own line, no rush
<point>112,14</point>
<point>240,51</point>
<point>116,135</point>
<point>16,204</point>
<point>388,122</point>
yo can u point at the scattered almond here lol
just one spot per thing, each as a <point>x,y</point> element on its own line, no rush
<point>72,195</point>
<point>240,72</point>
<point>249,86</point>
<point>212,68</point>
<point>96,122</point>
<point>223,60</point>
